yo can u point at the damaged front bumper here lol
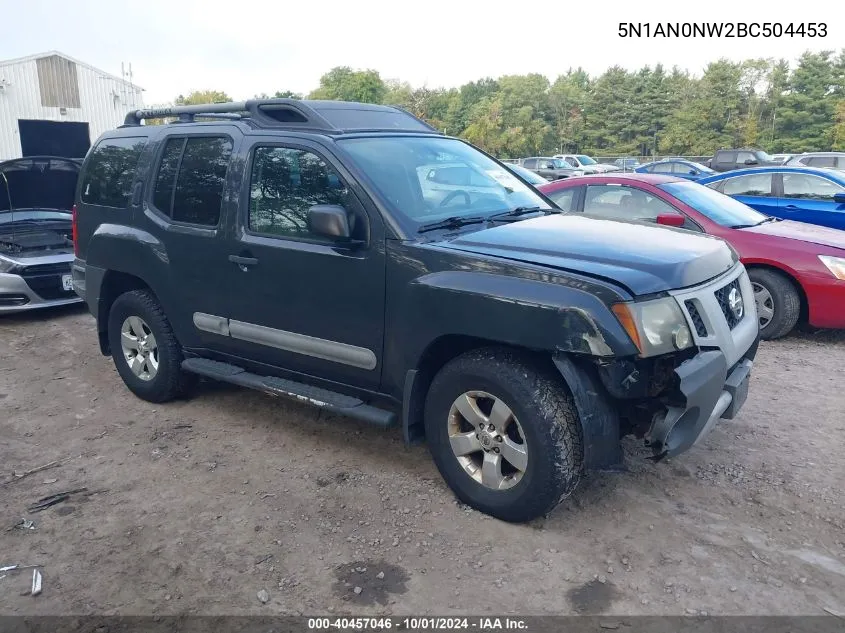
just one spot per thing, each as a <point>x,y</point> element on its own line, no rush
<point>708,390</point>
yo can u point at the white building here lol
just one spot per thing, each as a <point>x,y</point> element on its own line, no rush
<point>52,104</point>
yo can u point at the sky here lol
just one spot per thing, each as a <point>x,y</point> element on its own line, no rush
<point>248,47</point>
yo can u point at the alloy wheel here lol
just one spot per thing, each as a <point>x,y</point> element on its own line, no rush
<point>765,304</point>
<point>139,348</point>
<point>487,440</point>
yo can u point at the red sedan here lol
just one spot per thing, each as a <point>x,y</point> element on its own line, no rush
<point>797,269</point>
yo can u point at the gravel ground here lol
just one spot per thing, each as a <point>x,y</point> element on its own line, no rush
<point>238,503</point>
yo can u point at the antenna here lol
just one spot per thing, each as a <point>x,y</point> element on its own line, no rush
<point>131,85</point>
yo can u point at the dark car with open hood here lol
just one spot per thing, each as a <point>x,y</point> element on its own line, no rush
<point>36,247</point>
<point>350,256</point>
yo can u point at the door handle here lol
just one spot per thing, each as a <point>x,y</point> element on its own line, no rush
<point>790,206</point>
<point>243,261</point>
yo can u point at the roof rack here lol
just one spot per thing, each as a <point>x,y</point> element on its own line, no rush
<point>328,117</point>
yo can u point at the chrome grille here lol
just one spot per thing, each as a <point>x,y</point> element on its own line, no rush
<point>723,297</point>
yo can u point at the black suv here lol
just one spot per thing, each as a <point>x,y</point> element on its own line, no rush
<point>311,249</point>
<point>728,159</point>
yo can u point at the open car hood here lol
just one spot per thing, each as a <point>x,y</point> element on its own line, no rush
<point>38,182</point>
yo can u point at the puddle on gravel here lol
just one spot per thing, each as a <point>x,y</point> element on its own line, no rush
<point>375,581</point>
<point>593,597</point>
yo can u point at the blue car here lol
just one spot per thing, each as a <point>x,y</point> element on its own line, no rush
<point>803,194</point>
<point>677,167</point>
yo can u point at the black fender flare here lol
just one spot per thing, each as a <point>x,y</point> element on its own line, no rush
<point>599,418</point>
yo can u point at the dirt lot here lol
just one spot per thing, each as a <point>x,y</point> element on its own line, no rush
<point>200,505</point>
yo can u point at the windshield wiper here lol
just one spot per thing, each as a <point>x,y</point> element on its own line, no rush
<point>768,219</point>
<point>518,211</point>
<point>453,222</point>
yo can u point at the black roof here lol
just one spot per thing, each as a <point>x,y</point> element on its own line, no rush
<point>327,117</point>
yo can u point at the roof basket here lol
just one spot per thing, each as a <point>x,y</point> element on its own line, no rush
<point>331,117</point>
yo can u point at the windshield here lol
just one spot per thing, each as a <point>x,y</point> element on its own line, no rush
<point>716,206</point>
<point>527,174</point>
<point>704,169</point>
<point>763,155</point>
<point>427,179</point>
<point>585,160</point>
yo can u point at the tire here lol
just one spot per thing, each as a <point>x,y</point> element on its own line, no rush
<point>774,292</point>
<point>139,310</point>
<point>543,418</point>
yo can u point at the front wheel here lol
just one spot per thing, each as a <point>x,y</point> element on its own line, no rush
<point>504,434</point>
<point>778,303</point>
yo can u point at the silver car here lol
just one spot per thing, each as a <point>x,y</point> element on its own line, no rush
<point>36,242</point>
<point>829,160</point>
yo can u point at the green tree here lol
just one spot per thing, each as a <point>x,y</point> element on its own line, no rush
<point>839,128</point>
<point>344,84</point>
<point>805,114</point>
<point>198,97</point>
<point>286,94</point>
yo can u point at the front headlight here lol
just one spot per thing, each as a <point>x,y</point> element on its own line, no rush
<point>7,265</point>
<point>836,265</point>
<point>656,327</point>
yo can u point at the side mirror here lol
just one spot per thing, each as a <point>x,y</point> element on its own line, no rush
<point>750,161</point>
<point>692,172</point>
<point>839,198</point>
<point>671,219</point>
<point>329,220</point>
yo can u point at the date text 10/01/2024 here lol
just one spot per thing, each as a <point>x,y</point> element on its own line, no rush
<point>411,624</point>
<point>722,29</point>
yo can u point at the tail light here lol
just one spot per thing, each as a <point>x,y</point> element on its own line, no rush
<point>74,232</point>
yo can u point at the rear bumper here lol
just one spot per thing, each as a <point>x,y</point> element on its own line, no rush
<point>708,391</point>
<point>17,296</point>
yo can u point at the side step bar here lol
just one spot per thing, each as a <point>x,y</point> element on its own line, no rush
<point>323,398</point>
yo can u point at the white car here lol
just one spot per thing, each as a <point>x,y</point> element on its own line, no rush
<point>830,160</point>
<point>586,164</point>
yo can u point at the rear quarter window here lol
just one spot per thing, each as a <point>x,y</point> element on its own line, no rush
<point>108,175</point>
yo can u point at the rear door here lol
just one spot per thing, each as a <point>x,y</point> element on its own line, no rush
<point>755,190</point>
<point>184,207</point>
<point>724,161</point>
<point>809,198</point>
<point>297,300</point>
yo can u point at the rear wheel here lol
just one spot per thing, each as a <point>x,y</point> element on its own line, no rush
<point>504,434</point>
<point>778,303</point>
<point>145,351</point>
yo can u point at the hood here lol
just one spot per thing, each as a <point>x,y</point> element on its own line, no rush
<point>810,233</point>
<point>644,259</point>
<point>38,182</point>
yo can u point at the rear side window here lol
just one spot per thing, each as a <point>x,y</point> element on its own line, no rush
<point>822,161</point>
<point>191,177</point>
<point>725,157</point>
<point>750,185</point>
<point>107,181</point>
